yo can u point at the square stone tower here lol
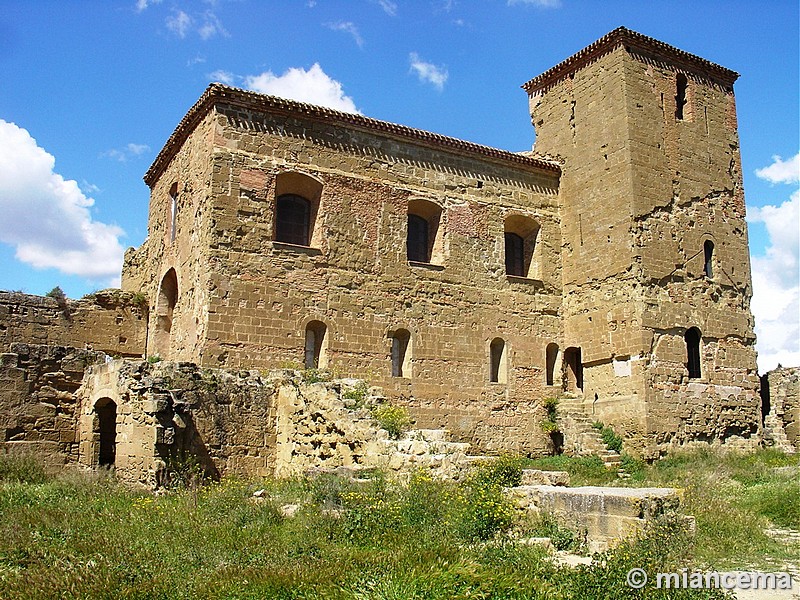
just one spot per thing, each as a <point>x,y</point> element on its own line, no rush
<point>656,275</point>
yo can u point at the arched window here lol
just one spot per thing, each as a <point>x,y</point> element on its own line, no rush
<point>515,255</point>
<point>551,358</point>
<point>316,349</point>
<point>498,362</point>
<point>173,211</point>
<point>292,220</point>
<point>681,84</point>
<point>106,431</point>
<point>708,257</point>
<point>417,245</point>
<point>165,308</point>
<point>692,338</point>
<point>401,353</point>
<point>423,239</point>
<point>574,367</point>
<point>297,201</point>
<point>521,234</point>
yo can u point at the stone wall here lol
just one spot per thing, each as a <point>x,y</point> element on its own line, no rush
<point>38,409</point>
<point>642,192</point>
<point>245,300</point>
<point>110,321</point>
<point>783,395</point>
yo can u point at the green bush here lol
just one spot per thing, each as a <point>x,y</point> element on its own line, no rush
<point>562,538</point>
<point>610,437</point>
<point>503,471</point>
<point>358,394</point>
<point>316,375</point>
<point>394,419</point>
<point>22,468</point>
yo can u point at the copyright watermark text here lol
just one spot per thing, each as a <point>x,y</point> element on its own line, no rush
<point>686,579</point>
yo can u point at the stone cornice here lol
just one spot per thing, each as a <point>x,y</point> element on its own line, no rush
<point>216,93</point>
<point>633,41</point>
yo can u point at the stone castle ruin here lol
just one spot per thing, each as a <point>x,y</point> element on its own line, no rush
<point>608,267</point>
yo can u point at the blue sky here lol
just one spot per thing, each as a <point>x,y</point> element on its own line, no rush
<point>92,89</point>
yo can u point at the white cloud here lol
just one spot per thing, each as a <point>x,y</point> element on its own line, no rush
<point>225,77</point>
<point>143,4</point>
<point>179,23</point>
<point>428,72</point>
<point>781,171</point>
<point>776,275</point>
<point>350,28</point>
<point>539,3</point>
<point>389,7</point>
<point>47,218</point>
<point>127,152</point>
<point>211,26</point>
<point>313,86</point>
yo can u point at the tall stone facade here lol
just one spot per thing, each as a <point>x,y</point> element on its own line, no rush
<point>610,264</point>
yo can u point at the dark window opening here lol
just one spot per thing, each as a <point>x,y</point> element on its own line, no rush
<point>292,219</point>
<point>173,212</point>
<point>551,355</point>
<point>106,411</point>
<point>574,368</point>
<point>316,345</point>
<point>515,255</point>
<point>401,353</point>
<point>692,338</point>
<point>708,254</point>
<point>680,95</point>
<point>497,361</point>
<point>417,242</point>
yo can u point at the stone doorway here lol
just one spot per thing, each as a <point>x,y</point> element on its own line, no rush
<point>106,432</point>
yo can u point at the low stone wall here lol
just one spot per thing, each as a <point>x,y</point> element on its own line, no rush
<point>38,410</point>
<point>111,321</point>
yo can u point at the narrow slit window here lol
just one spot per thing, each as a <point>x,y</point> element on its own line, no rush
<point>692,338</point>
<point>401,353</point>
<point>708,254</point>
<point>551,357</point>
<point>498,366</point>
<point>316,346</point>
<point>681,84</point>
<point>173,212</point>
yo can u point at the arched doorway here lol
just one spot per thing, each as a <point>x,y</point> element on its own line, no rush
<point>106,432</point>
<point>165,306</point>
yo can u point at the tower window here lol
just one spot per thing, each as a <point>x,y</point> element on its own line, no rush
<point>292,219</point>
<point>173,211</point>
<point>708,256</point>
<point>692,338</point>
<point>681,84</point>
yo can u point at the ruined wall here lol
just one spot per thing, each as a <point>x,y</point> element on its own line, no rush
<point>784,401</point>
<point>178,416</point>
<point>109,321</point>
<point>38,410</point>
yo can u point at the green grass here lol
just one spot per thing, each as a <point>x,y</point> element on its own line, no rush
<point>77,536</point>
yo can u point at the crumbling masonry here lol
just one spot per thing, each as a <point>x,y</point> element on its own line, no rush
<point>610,265</point>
